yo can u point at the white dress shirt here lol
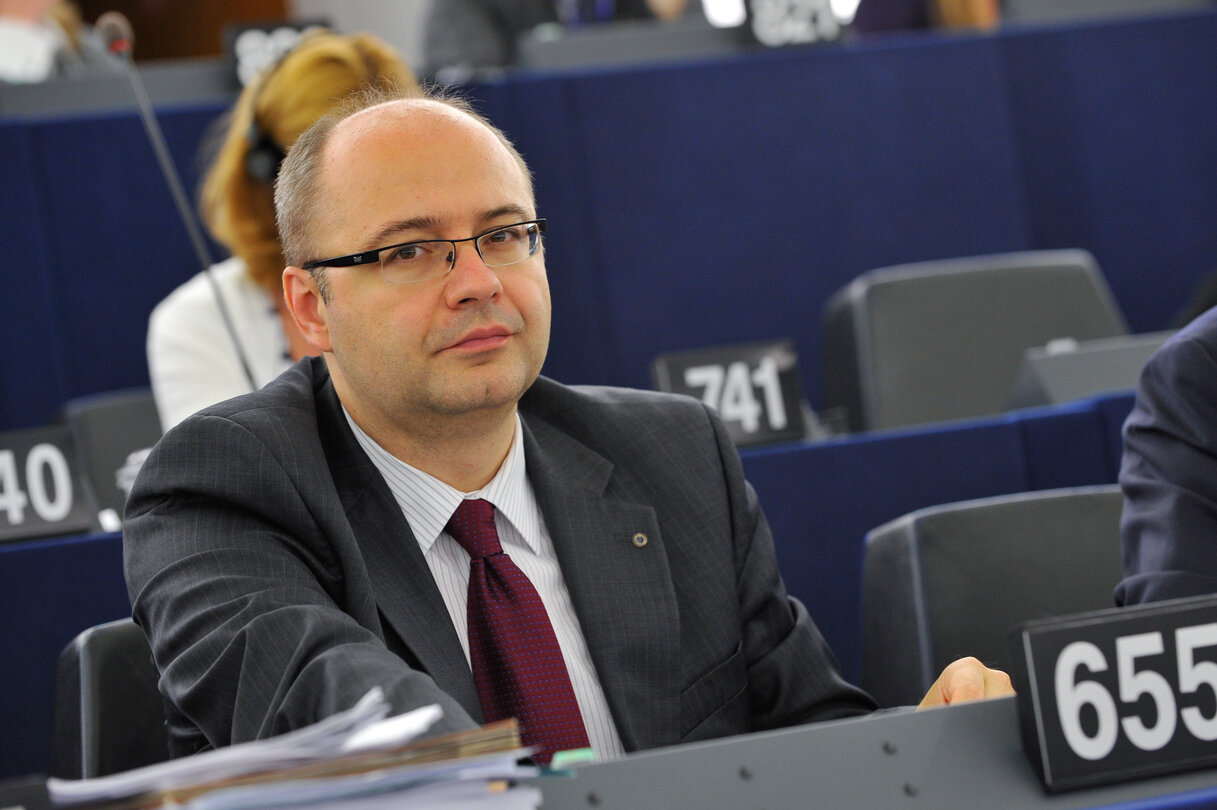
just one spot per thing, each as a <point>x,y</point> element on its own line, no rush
<point>428,503</point>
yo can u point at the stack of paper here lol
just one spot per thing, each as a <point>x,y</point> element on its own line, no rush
<point>357,759</point>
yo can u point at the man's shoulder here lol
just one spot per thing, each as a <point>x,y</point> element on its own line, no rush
<point>294,394</point>
<point>1202,330</point>
<point>1189,353</point>
<point>624,424</point>
<point>285,424</point>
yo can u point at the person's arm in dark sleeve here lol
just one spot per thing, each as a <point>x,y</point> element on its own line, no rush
<point>252,618</point>
<point>1169,473</point>
<point>792,673</point>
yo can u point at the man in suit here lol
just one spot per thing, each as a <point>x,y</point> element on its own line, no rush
<point>1169,471</point>
<point>288,550</point>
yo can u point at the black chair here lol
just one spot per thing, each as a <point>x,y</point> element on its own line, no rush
<point>108,713</point>
<point>113,432</point>
<point>943,340</point>
<point>954,580</point>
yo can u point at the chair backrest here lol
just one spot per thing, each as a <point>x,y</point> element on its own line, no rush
<point>943,340</point>
<point>954,580</point>
<point>108,713</point>
<point>113,430</point>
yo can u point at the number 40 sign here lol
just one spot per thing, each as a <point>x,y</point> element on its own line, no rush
<point>753,387</point>
<point>41,490</point>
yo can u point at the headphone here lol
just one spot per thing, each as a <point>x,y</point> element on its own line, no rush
<point>264,155</point>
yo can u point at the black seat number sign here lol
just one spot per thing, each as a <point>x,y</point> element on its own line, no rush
<point>41,489</point>
<point>753,387</point>
<point>1119,694</point>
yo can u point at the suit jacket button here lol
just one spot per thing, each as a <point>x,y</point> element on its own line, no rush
<point>640,540</point>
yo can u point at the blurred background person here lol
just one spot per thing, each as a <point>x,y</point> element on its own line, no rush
<point>898,15</point>
<point>466,36</point>
<point>46,39</point>
<point>225,332</point>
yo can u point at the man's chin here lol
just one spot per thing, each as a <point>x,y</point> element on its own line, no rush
<point>492,392</point>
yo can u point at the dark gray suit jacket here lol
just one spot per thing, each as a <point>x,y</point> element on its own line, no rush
<point>1169,471</point>
<point>277,579</point>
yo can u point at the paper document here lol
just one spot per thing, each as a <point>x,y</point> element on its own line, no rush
<point>358,753</point>
<point>407,786</point>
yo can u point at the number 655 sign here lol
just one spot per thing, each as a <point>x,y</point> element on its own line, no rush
<point>1119,694</point>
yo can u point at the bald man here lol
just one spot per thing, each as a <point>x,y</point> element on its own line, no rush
<point>288,550</point>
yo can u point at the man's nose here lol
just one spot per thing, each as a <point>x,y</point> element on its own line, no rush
<point>470,279</point>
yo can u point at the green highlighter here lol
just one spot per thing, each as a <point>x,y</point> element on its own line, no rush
<point>572,757</point>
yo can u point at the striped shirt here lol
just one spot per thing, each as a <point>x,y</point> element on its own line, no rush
<point>428,503</point>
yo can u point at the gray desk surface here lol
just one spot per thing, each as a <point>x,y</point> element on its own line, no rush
<point>964,756</point>
<point>167,81</point>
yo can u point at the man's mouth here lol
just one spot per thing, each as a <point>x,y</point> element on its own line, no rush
<point>486,338</point>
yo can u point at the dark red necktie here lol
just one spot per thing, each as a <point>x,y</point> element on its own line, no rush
<point>517,666</point>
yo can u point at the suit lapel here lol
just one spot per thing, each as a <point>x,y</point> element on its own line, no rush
<point>620,586</point>
<point>402,585</point>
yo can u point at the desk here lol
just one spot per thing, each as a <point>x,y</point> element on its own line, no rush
<point>963,757</point>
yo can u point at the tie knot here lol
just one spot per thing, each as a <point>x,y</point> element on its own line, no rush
<point>472,525</point>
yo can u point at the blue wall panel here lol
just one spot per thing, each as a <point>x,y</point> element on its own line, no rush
<point>733,199</point>
<point>118,246</point>
<point>1109,121</point>
<point>35,342</point>
<point>50,590</point>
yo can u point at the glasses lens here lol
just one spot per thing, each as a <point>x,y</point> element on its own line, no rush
<point>417,261</point>
<point>509,245</point>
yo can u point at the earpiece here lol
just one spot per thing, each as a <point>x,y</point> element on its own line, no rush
<point>264,155</point>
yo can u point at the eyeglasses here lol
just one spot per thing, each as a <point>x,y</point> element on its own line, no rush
<point>410,262</point>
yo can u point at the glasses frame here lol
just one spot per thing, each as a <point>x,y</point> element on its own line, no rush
<point>373,256</point>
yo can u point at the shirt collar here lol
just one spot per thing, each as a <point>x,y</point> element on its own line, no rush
<point>428,502</point>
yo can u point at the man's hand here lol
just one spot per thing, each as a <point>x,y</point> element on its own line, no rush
<point>966,679</point>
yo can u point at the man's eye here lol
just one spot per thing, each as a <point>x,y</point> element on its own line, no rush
<point>405,253</point>
<point>416,252</point>
<point>506,235</point>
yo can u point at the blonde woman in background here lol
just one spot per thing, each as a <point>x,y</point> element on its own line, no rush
<point>47,39</point>
<point>195,358</point>
<point>968,13</point>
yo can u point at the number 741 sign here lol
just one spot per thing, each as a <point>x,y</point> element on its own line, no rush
<point>753,387</point>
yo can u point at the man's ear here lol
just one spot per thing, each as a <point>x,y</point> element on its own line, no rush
<point>303,298</point>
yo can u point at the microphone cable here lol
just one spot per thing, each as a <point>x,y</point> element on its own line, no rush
<point>118,36</point>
